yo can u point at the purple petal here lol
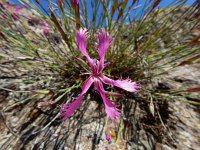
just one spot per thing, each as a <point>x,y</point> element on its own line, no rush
<point>107,80</point>
<point>87,84</point>
<point>111,110</point>
<point>108,137</point>
<point>75,2</point>
<point>127,84</point>
<point>45,24</point>
<point>19,8</point>
<point>106,64</point>
<point>104,42</point>
<point>68,110</point>
<point>45,28</point>
<point>81,40</point>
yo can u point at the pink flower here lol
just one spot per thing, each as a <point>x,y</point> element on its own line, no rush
<point>18,8</point>
<point>75,2</point>
<point>45,28</point>
<point>108,138</point>
<point>97,77</point>
<point>60,2</point>
<point>15,10</point>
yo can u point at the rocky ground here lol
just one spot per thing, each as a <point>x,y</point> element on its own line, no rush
<point>185,117</point>
<point>179,127</point>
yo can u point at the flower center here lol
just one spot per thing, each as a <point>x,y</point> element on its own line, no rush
<point>95,70</point>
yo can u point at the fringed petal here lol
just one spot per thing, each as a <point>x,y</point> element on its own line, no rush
<point>104,42</point>
<point>112,111</point>
<point>68,110</point>
<point>127,84</point>
<point>81,40</point>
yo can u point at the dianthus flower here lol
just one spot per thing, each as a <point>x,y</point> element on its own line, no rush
<point>96,76</point>
<point>15,10</point>
<point>45,28</point>
<point>75,2</point>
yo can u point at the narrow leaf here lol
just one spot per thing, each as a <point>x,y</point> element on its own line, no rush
<point>189,61</point>
<point>193,89</point>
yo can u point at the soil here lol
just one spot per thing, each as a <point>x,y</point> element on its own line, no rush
<point>176,124</point>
